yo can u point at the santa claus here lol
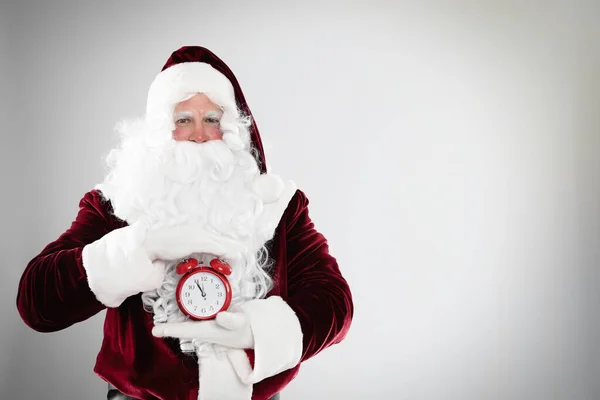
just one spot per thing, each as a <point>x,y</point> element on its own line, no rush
<point>189,182</point>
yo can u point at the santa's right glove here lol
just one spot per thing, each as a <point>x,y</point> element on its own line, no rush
<point>118,266</point>
<point>181,241</point>
<point>130,260</point>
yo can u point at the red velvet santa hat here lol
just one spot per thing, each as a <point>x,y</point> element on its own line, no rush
<point>195,69</point>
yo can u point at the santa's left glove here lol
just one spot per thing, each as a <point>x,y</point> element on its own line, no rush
<point>229,328</point>
<point>118,265</point>
<point>266,328</point>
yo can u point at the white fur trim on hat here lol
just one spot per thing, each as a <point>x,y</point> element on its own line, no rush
<point>268,187</point>
<point>276,194</point>
<point>181,81</point>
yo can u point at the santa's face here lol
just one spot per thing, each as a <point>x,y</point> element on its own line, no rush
<point>197,119</point>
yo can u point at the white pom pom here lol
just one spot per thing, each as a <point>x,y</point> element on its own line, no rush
<point>268,187</point>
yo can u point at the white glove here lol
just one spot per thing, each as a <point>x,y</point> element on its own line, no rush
<point>229,329</point>
<point>117,266</point>
<point>174,243</point>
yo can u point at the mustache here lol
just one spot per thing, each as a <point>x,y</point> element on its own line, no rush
<point>186,162</point>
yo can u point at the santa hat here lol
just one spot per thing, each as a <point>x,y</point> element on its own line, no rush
<point>195,69</point>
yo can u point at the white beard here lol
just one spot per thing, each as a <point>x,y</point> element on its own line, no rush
<point>167,183</point>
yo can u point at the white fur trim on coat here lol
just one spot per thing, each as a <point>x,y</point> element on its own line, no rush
<point>179,82</point>
<point>219,381</point>
<point>277,340</point>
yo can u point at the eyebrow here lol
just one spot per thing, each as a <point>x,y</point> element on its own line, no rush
<point>189,114</point>
<point>213,114</point>
<point>182,114</point>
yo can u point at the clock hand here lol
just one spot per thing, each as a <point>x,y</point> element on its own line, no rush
<point>201,291</point>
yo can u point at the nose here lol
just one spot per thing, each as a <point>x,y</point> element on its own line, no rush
<point>198,134</point>
<point>201,133</point>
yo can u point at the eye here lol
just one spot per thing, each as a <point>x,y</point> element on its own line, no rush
<point>212,121</point>
<point>184,120</point>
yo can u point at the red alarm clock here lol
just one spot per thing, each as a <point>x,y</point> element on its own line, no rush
<point>203,291</point>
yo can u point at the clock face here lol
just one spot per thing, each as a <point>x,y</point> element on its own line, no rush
<point>203,294</point>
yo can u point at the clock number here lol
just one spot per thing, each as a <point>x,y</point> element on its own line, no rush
<point>191,287</point>
<point>220,294</point>
<point>187,294</point>
<point>217,286</point>
<point>212,308</point>
<point>190,301</point>
<point>203,310</point>
<point>195,308</point>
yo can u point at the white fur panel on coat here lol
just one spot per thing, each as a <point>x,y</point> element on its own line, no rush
<point>277,347</point>
<point>219,381</point>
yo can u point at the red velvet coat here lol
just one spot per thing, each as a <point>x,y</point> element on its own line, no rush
<point>54,294</point>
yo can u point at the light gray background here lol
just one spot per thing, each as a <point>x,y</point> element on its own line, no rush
<point>449,149</point>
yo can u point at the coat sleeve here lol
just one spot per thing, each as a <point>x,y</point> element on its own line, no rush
<point>53,291</point>
<point>317,291</point>
<point>318,296</point>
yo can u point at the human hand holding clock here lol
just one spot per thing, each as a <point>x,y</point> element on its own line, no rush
<point>204,294</point>
<point>229,329</point>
